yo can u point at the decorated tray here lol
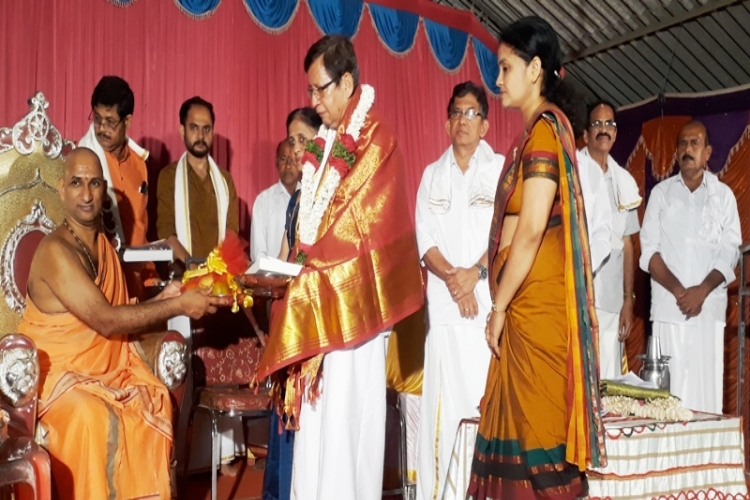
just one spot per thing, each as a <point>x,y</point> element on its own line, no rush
<point>264,284</point>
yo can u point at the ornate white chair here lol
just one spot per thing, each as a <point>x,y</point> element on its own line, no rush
<point>31,163</point>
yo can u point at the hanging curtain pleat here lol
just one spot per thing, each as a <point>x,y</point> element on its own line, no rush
<point>337,17</point>
<point>273,15</point>
<point>448,44</point>
<point>198,8</point>
<point>487,62</point>
<point>397,29</point>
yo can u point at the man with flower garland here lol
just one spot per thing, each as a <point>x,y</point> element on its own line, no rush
<point>361,275</point>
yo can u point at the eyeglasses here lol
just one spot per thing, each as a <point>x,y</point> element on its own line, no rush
<point>470,114</point>
<point>102,123</point>
<point>313,91</point>
<point>603,124</point>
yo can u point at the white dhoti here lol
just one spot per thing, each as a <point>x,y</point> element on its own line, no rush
<point>339,449</point>
<point>455,373</point>
<point>610,361</point>
<point>696,366</point>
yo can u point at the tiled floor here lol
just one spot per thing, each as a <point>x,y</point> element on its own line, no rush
<point>246,485</point>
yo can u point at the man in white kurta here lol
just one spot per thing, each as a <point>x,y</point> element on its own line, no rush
<point>690,244</point>
<point>598,211</point>
<point>269,209</point>
<point>454,210</point>
<point>613,282</point>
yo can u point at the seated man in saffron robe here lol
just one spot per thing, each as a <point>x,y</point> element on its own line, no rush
<point>108,416</point>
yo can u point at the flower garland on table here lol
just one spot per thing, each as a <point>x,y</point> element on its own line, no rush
<point>664,409</point>
<point>341,159</point>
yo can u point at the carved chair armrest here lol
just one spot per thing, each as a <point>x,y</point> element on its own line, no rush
<point>166,355</point>
<point>19,382</point>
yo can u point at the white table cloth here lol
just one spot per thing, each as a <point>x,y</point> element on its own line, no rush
<point>701,459</point>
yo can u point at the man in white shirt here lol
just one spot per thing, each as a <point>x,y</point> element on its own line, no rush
<point>598,211</point>
<point>269,209</point>
<point>690,245</point>
<point>454,210</point>
<point>613,281</point>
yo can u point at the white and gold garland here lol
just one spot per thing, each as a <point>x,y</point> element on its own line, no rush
<point>312,207</point>
<point>662,409</point>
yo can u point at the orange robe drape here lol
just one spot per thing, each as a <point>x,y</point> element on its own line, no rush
<point>362,275</point>
<point>108,416</point>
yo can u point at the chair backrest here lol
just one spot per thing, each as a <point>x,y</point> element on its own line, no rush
<point>31,162</point>
<point>227,352</point>
<point>234,364</point>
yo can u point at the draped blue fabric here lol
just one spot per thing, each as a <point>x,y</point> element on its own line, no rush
<point>273,14</point>
<point>198,7</point>
<point>397,29</point>
<point>448,44</point>
<point>337,17</point>
<point>487,62</point>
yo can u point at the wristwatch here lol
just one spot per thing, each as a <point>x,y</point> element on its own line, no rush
<point>482,271</point>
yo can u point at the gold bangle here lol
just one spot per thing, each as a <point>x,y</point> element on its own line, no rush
<point>630,295</point>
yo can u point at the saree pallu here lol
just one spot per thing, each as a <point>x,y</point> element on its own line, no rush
<point>540,425</point>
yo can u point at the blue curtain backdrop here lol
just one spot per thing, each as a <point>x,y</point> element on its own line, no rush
<point>198,8</point>
<point>272,14</point>
<point>397,28</point>
<point>448,44</point>
<point>487,62</point>
<point>337,17</point>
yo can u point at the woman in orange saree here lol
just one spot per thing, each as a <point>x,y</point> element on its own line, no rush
<point>540,425</point>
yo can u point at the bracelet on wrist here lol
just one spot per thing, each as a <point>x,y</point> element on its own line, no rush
<point>630,295</point>
<point>496,309</point>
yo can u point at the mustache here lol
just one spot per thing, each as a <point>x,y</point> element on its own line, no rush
<point>604,134</point>
<point>197,143</point>
<point>687,156</point>
<point>103,136</point>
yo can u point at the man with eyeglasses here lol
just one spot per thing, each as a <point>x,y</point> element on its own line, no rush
<point>613,282</point>
<point>269,209</point>
<point>124,215</point>
<point>360,276</point>
<point>454,210</point>
<point>690,247</point>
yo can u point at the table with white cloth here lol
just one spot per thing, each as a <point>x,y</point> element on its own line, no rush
<point>647,459</point>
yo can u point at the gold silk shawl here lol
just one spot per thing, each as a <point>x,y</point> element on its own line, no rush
<point>362,275</point>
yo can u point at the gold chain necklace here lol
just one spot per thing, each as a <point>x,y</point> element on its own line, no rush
<point>85,250</point>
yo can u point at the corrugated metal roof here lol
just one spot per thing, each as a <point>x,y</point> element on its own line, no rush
<point>629,50</point>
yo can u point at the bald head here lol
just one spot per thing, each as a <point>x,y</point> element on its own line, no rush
<point>282,147</point>
<point>81,157</point>
<point>82,187</point>
<point>697,127</point>
<point>289,172</point>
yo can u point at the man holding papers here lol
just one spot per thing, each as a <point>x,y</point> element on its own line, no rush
<point>361,276</point>
<point>124,216</point>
